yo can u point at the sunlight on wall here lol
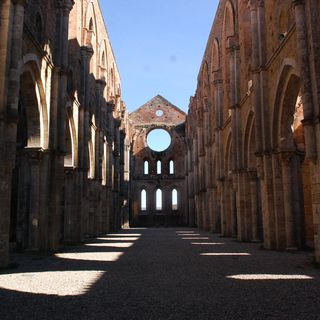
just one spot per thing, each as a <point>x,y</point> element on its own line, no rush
<point>51,282</point>
<point>270,277</point>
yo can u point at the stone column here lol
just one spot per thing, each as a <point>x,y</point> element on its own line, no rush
<point>8,125</point>
<point>253,180</point>
<point>5,48</point>
<point>36,222</point>
<point>256,95</point>
<point>16,54</point>
<point>305,75</point>
<point>287,199</point>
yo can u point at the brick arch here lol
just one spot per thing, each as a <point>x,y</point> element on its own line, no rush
<point>215,56</point>
<point>228,165</point>
<point>30,71</point>
<point>103,60</point>
<point>229,20</point>
<point>205,80</point>
<point>287,91</point>
<point>92,149</point>
<point>71,130</point>
<point>228,35</point>
<point>249,142</point>
<point>90,35</point>
<point>284,18</point>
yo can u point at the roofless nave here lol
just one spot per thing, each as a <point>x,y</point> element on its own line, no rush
<point>244,161</point>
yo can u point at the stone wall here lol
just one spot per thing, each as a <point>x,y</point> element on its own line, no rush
<point>63,126</point>
<point>254,174</point>
<point>143,121</point>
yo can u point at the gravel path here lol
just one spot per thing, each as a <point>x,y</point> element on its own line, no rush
<point>150,274</point>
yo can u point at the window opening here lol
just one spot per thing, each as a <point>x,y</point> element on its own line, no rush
<point>159,200</point>
<point>146,167</point>
<point>171,165</point>
<point>159,167</point>
<point>174,199</point>
<point>143,200</point>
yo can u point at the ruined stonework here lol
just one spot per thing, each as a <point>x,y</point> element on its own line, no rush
<point>62,126</point>
<point>162,172</point>
<point>253,125</point>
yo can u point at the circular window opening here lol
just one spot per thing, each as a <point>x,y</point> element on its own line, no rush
<point>158,140</point>
<point>159,113</point>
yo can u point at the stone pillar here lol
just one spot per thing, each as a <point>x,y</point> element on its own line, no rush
<point>287,199</point>
<point>16,54</point>
<point>34,159</point>
<point>253,180</point>
<point>305,75</point>
<point>8,125</point>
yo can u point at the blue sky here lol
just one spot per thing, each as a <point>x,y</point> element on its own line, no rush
<point>158,46</point>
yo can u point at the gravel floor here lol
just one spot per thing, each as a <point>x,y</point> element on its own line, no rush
<point>161,274</point>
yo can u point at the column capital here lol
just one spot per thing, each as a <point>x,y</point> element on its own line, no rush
<point>20,2</point>
<point>286,157</point>
<point>298,2</point>
<point>65,4</point>
<point>252,5</point>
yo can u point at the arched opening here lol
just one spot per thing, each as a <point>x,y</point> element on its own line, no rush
<point>68,158</point>
<point>229,212</point>
<point>92,150</point>
<point>228,33</point>
<point>38,27</point>
<point>159,200</point>
<point>26,173</point>
<point>143,200</point>
<point>159,167</point>
<point>295,171</point>
<point>146,167</point>
<point>174,199</point>
<point>171,167</point>
<point>91,27</point>
<point>105,162</point>
<point>103,67</point>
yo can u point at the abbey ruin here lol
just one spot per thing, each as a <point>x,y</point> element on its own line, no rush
<point>244,162</point>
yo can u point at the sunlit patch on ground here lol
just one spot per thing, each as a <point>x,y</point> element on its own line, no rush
<point>208,243</point>
<point>195,238</point>
<point>188,234</point>
<point>184,232</point>
<point>225,254</point>
<point>118,238</point>
<point>51,282</point>
<point>270,277</point>
<point>125,235</point>
<point>91,256</point>
<point>111,245</point>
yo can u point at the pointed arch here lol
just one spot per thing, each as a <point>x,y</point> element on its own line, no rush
<point>228,156</point>
<point>287,90</point>
<point>229,20</point>
<point>174,199</point>
<point>30,76</point>
<point>143,200</point>
<point>159,199</point>
<point>249,142</point>
<point>215,56</point>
